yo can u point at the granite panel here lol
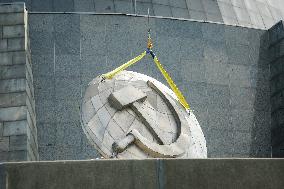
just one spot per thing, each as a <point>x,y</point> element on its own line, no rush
<point>63,6</point>
<point>217,67</point>
<point>42,5</point>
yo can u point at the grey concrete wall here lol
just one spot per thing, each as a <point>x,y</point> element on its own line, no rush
<point>150,174</point>
<point>276,49</point>
<point>222,70</point>
<point>18,133</point>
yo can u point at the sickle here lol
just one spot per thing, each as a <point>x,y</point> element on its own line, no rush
<point>174,149</point>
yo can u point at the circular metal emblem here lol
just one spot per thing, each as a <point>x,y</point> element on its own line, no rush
<point>136,116</point>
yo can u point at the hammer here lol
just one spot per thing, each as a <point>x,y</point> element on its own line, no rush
<point>135,99</point>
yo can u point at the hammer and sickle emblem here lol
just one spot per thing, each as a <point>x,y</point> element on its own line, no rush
<point>134,98</point>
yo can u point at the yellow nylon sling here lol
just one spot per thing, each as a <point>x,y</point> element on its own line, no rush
<point>112,73</point>
<point>173,86</point>
<point>169,80</point>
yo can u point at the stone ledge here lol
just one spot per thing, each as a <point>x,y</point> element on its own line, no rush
<point>150,174</point>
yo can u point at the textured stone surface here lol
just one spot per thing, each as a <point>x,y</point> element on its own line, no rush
<point>15,128</point>
<point>188,50</point>
<point>17,107</point>
<point>277,89</point>
<point>13,31</point>
<point>13,113</point>
<point>152,174</point>
<point>151,135</point>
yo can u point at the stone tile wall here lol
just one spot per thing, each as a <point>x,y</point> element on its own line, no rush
<point>222,70</point>
<point>276,49</point>
<point>18,132</point>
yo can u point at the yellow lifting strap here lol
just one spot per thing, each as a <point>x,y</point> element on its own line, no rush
<point>169,80</point>
<point>112,73</point>
<point>173,86</point>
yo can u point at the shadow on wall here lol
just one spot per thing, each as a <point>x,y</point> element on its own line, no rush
<point>261,129</point>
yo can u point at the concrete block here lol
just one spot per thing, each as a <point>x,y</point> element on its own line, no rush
<point>12,8</point>
<point>12,85</point>
<point>12,18</point>
<point>16,44</point>
<point>13,31</point>
<point>18,142</point>
<point>12,99</point>
<point>13,72</point>
<point>4,156</point>
<point>3,45</point>
<point>15,128</point>
<point>19,155</point>
<point>13,113</point>
<point>19,57</point>
<point>6,58</point>
<point>4,144</point>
